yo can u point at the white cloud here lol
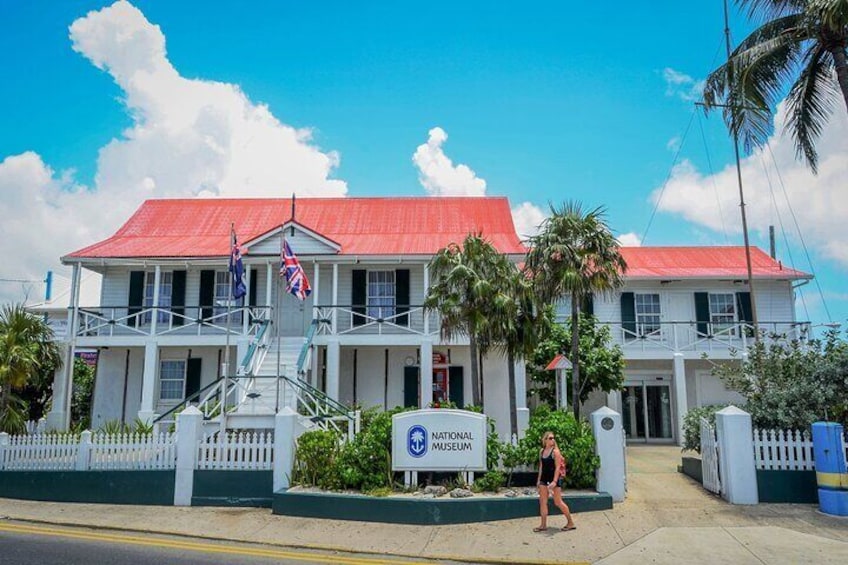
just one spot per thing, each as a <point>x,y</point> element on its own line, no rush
<point>189,137</point>
<point>437,173</point>
<point>818,202</point>
<point>629,239</point>
<point>682,85</point>
<point>527,218</point>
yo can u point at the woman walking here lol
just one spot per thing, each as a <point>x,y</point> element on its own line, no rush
<point>551,476</point>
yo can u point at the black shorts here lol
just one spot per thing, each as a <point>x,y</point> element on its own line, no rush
<point>558,483</point>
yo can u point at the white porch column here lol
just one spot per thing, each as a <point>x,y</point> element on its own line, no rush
<point>59,417</point>
<point>522,413</point>
<point>269,282</point>
<point>333,361</point>
<point>335,316</point>
<point>425,377</point>
<point>148,384</point>
<point>680,393</point>
<point>157,278</point>
<point>735,438</point>
<point>245,313</point>
<point>614,400</point>
<point>316,280</point>
<point>426,290</point>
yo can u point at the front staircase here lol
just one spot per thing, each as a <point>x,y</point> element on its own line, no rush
<point>264,393</point>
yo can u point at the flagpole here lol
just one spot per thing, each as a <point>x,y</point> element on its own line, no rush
<point>279,311</point>
<point>226,367</point>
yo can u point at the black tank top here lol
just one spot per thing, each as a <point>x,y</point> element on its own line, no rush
<point>548,466</point>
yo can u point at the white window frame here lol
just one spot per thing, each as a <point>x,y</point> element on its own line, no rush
<point>166,288</point>
<point>179,365</point>
<point>223,294</point>
<point>648,322</point>
<point>721,321</point>
<point>381,294</point>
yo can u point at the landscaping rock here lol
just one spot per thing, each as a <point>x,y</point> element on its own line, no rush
<point>510,493</point>
<point>435,490</point>
<point>461,493</point>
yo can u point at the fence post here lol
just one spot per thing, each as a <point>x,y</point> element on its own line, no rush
<point>609,446</point>
<point>189,423</point>
<point>4,445</point>
<point>284,426</point>
<point>738,471</point>
<point>84,451</point>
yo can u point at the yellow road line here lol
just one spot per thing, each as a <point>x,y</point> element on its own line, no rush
<point>201,547</point>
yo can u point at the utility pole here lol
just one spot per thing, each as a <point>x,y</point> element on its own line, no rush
<point>741,193</point>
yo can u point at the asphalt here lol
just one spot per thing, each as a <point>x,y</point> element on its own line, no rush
<point>667,518</point>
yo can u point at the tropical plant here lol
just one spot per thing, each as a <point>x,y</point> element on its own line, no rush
<point>602,362</point>
<point>574,255</point>
<point>515,326</point>
<point>81,396</point>
<point>574,438</point>
<point>791,385</point>
<point>692,425</point>
<point>26,349</point>
<point>466,278</point>
<point>800,44</point>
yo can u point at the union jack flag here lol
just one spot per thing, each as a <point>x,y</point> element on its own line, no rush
<point>296,281</point>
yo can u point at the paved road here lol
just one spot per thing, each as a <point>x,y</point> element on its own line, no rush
<point>48,545</point>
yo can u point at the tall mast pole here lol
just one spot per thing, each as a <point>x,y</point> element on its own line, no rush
<point>739,181</point>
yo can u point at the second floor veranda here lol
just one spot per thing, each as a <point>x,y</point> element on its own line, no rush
<point>638,341</point>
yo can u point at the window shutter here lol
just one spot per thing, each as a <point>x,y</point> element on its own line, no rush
<point>136,295</point>
<point>207,293</point>
<point>743,306</point>
<point>254,288</point>
<point>589,304</point>
<point>702,312</point>
<point>402,296</point>
<point>456,384</point>
<point>358,296</point>
<point>192,384</point>
<point>628,315</point>
<point>178,288</point>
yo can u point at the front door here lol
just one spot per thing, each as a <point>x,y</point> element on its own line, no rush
<point>292,312</point>
<point>646,411</point>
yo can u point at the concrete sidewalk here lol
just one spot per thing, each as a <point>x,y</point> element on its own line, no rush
<point>667,518</point>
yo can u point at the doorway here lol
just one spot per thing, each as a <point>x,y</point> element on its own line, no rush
<point>646,411</point>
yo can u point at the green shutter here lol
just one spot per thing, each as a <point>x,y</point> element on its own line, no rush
<point>743,305</point>
<point>254,288</point>
<point>410,387</point>
<point>192,376</point>
<point>402,296</point>
<point>628,315</point>
<point>178,289</point>
<point>136,296</point>
<point>702,312</point>
<point>358,296</point>
<point>589,304</point>
<point>456,386</point>
<point>207,293</point>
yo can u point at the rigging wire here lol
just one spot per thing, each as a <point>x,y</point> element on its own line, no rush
<point>670,173</point>
<point>800,235</point>
<point>712,177</point>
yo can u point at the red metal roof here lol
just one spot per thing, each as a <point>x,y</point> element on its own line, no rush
<point>177,228</point>
<point>703,263</point>
<point>559,361</point>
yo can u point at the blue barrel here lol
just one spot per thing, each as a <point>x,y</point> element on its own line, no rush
<point>831,472</point>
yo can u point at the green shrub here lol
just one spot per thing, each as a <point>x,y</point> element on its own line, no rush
<point>314,459</point>
<point>575,441</point>
<point>692,425</point>
<point>490,482</point>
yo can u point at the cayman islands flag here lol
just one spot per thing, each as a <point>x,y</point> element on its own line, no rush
<point>296,281</point>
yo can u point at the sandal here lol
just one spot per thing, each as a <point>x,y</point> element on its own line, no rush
<point>537,530</point>
<point>568,528</point>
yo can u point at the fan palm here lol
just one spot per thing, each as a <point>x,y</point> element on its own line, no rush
<point>26,347</point>
<point>574,255</point>
<point>802,45</point>
<point>466,278</point>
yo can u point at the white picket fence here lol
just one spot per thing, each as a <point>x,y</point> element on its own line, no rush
<point>783,450</point>
<point>236,451</point>
<point>88,451</point>
<point>124,452</point>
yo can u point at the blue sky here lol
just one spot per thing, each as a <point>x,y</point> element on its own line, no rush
<point>540,102</point>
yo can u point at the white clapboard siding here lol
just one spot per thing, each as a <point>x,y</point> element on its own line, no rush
<point>133,452</point>
<point>50,452</point>
<point>783,450</point>
<point>236,451</point>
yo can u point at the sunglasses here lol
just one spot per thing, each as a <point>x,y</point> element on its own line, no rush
<point>550,438</point>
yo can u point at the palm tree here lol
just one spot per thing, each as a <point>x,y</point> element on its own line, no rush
<point>516,327</point>
<point>802,44</point>
<point>26,348</point>
<point>466,278</point>
<point>574,255</point>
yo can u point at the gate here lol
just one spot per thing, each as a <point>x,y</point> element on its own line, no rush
<point>709,457</point>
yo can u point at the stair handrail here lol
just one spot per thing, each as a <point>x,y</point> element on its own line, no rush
<point>185,402</point>
<point>307,345</point>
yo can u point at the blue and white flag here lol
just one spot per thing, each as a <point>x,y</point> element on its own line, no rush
<point>237,270</point>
